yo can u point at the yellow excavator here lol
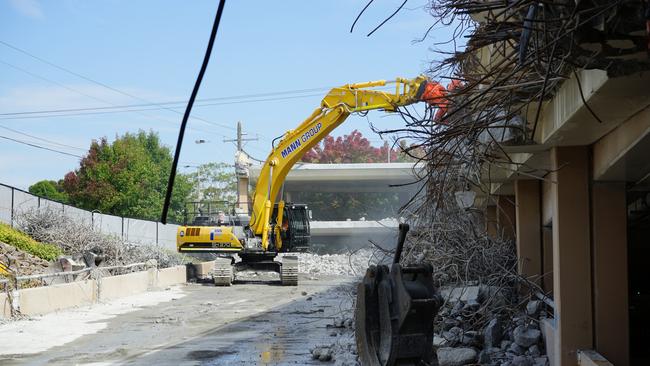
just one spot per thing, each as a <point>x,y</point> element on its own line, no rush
<point>275,226</point>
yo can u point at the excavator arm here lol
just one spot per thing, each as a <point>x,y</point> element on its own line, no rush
<point>337,105</point>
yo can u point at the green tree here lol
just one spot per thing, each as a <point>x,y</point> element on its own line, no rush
<point>214,182</point>
<point>49,189</point>
<point>127,177</point>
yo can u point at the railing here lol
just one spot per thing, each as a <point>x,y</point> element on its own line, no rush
<point>71,273</point>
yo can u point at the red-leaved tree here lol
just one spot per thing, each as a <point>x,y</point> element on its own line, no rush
<point>352,148</point>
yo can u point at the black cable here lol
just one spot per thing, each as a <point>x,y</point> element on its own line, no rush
<point>39,146</point>
<point>360,13</point>
<point>584,101</point>
<point>186,116</point>
<point>387,19</point>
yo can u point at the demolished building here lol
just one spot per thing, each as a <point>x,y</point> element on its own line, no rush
<point>549,122</point>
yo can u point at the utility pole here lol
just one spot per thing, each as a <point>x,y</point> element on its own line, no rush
<point>242,178</point>
<point>240,138</point>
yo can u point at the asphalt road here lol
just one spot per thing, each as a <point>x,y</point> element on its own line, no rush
<point>251,323</point>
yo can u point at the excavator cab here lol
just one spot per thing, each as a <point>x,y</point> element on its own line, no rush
<point>295,231</point>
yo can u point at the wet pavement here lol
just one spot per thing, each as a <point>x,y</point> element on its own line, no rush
<point>250,323</point>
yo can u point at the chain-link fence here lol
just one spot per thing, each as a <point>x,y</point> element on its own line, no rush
<point>13,201</point>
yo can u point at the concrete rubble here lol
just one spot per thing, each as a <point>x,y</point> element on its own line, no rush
<point>345,264</point>
<point>497,331</point>
<point>22,263</point>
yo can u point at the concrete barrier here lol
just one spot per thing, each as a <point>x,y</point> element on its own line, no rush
<point>123,285</point>
<point>47,299</point>
<point>171,276</point>
<point>5,306</point>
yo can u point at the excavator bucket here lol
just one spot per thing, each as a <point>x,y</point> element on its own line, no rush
<point>394,313</point>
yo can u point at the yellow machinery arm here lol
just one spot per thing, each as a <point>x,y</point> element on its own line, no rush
<point>337,105</point>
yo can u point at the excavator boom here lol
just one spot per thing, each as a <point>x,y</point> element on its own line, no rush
<point>335,107</point>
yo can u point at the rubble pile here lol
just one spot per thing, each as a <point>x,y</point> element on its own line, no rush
<point>76,238</point>
<point>487,326</point>
<point>20,262</point>
<point>347,264</point>
<point>454,241</point>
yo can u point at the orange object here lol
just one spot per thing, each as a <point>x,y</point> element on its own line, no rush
<point>434,93</point>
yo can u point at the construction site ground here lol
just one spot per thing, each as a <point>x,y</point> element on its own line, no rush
<point>250,323</point>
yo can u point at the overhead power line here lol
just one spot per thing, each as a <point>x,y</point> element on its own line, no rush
<point>171,103</point>
<point>39,146</point>
<point>104,85</point>
<point>157,118</point>
<point>111,110</point>
<point>42,139</point>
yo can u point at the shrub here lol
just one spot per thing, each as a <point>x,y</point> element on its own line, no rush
<point>23,242</point>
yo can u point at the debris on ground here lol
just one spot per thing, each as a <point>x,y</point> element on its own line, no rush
<point>345,264</point>
<point>77,238</point>
<point>20,262</point>
<point>342,350</point>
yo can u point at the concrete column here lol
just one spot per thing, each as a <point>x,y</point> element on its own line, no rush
<point>571,253</point>
<point>242,193</point>
<point>491,221</point>
<point>547,259</point>
<point>529,236</point>
<point>611,314</point>
<point>506,221</point>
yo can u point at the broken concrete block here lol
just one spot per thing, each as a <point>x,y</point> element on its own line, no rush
<point>439,341</point>
<point>497,296</point>
<point>484,357</point>
<point>534,351</point>
<point>493,333</point>
<point>533,307</point>
<point>453,335</point>
<point>505,344</point>
<point>516,349</point>
<point>68,264</point>
<point>472,339</point>
<point>541,361</point>
<point>521,361</point>
<point>471,307</point>
<point>325,355</point>
<point>449,323</point>
<point>204,269</point>
<point>448,356</point>
<point>526,336</point>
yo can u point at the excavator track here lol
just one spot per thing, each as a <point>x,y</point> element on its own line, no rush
<point>289,271</point>
<point>222,274</point>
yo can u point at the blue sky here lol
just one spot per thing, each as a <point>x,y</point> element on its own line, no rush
<point>153,49</point>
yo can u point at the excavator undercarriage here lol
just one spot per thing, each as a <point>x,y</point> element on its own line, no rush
<point>225,268</point>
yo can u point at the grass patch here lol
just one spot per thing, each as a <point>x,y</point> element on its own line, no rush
<point>25,243</point>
